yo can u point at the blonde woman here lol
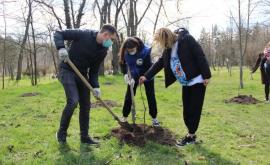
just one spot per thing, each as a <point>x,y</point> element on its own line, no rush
<point>183,60</point>
<point>263,62</point>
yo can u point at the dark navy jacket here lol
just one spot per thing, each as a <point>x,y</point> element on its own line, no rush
<point>84,51</point>
<point>138,63</point>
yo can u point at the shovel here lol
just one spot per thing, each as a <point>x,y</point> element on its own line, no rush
<point>124,125</point>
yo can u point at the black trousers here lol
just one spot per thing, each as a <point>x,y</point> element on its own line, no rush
<point>76,93</point>
<point>266,91</point>
<point>151,99</point>
<point>267,82</point>
<point>193,98</point>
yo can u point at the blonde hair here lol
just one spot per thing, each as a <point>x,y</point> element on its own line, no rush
<point>267,45</point>
<point>164,38</point>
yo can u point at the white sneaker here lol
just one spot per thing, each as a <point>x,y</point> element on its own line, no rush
<point>155,122</point>
<point>123,119</point>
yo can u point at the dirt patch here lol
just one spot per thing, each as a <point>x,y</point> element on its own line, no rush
<point>110,103</point>
<point>143,133</point>
<point>30,94</point>
<point>108,83</point>
<point>243,99</point>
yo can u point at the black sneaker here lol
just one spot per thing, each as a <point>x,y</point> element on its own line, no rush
<point>186,140</point>
<point>88,140</point>
<point>61,136</point>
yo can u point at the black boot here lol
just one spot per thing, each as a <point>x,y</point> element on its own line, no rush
<point>61,136</point>
<point>88,140</point>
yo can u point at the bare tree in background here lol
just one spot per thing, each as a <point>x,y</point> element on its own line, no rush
<point>72,18</point>
<point>34,49</point>
<point>105,14</point>
<point>30,65</point>
<point>134,20</point>
<point>27,24</point>
<point>4,45</point>
<point>116,45</point>
<point>266,3</point>
<point>50,10</point>
<point>52,48</point>
<point>157,17</point>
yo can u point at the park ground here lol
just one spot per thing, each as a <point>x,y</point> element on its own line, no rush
<point>231,133</point>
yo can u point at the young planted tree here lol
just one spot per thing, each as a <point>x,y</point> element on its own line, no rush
<point>242,32</point>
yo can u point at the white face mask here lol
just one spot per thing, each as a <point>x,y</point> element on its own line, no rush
<point>132,53</point>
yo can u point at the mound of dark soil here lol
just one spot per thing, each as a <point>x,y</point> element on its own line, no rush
<point>243,99</point>
<point>143,133</point>
<point>30,94</point>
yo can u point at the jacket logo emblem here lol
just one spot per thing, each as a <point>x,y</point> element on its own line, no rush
<point>139,61</point>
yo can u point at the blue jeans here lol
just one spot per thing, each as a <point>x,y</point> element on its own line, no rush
<point>76,93</point>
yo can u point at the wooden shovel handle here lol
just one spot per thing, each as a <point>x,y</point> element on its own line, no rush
<point>70,63</point>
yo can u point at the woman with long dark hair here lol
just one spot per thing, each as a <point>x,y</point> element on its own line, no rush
<point>135,56</point>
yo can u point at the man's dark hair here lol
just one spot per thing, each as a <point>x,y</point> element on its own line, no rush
<point>108,28</point>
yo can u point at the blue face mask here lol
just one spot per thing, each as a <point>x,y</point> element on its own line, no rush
<point>107,43</point>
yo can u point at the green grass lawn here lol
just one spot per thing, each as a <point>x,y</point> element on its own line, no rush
<point>231,133</point>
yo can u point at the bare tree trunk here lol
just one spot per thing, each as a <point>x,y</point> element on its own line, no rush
<point>4,46</point>
<point>231,46</point>
<point>31,63</point>
<point>34,51</point>
<point>159,9</point>
<point>11,72</point>
<point>67,14</point>
<point>115,60</point>
<point>210,53</point>
<point>52,52</point>
<point>72,13</point>
<point>131,21</point>
<point>80,14</point>
<point>240,44</point>
<point>52,10</point>
<point>20,59</point>
<point>247,29</point>
<point>116,45</point>
<point>103,11</point>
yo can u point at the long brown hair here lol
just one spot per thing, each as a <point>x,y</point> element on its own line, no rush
<point>130,42</point>
<point>164,38</point>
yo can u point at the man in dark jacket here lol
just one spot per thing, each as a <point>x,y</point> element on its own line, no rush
<point>87,50</point>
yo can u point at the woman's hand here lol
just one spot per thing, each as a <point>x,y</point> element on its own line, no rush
<point>142,80</point>
<point>206,82</point>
